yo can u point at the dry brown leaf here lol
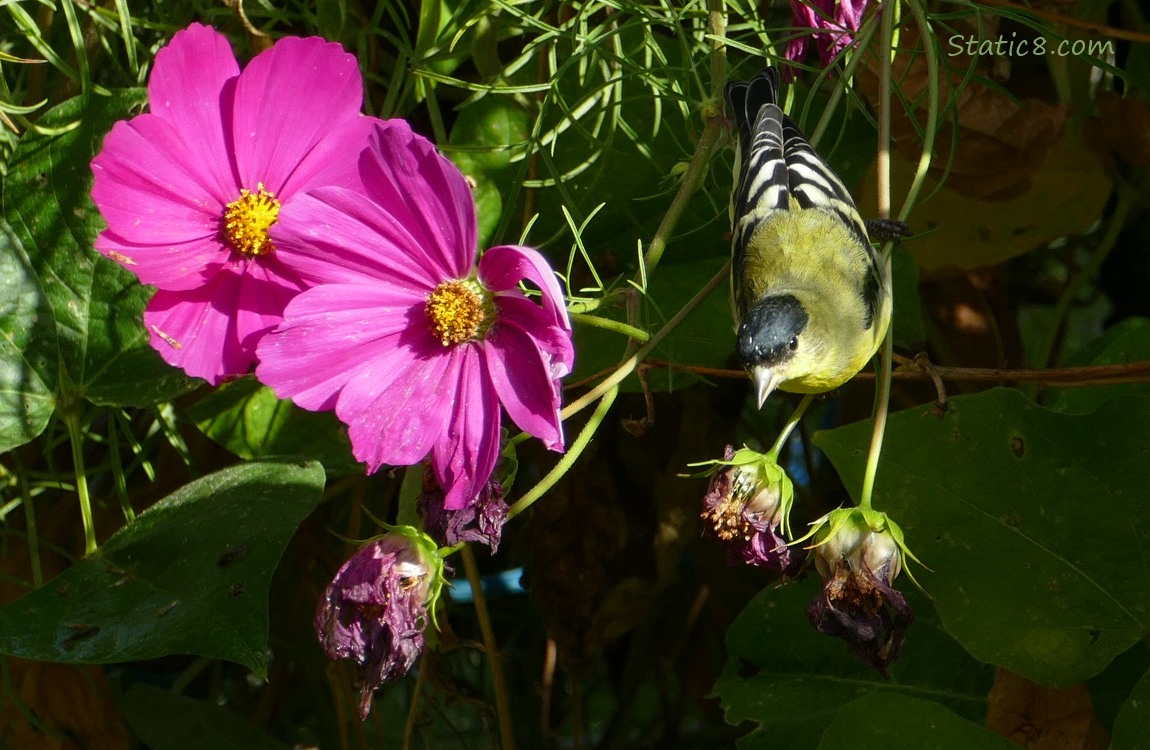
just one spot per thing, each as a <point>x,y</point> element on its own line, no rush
<point>1039,718</point>
<point>54,706</point>
<point>1065,196</point>
<point>72,706</point>
<point>1001,142</point>
<point>1122,127</point>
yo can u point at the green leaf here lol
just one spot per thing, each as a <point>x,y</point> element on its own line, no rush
<point>1032,524</point>
<point>483,139</point>
<point>791,680</point>
<point>1132,727</point>
<point>163,720</point>
<point>247,419</point>
<point>189,576</point>
<point>907,323</point>
<point>886,721</point>
<point>27,336</point>
<point>1129,341</point>
<point>1110,690</point>
<point>101,343</point>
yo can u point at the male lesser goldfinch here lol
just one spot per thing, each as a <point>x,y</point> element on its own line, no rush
<point>810,294</point>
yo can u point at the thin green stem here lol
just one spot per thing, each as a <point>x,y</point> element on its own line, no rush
<point>433,113</point>
<point>796,416</point>
<point>862,40</point>
<point>618,326</point>
<point>118,471</point>
<point>412,712</point>
<point>628,366</point>
<point>502,701</point>
<point>190,673</point>
<point>926,34</point>
<point>882,398</point>
<point>72,421</point>
<point>704,150</point>
<point>573,452</point>
<point>882,407</point>
<point>30,528</point>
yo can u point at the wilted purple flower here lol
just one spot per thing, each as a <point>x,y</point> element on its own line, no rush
<point>377,607</point>
<point>749,499</point>
<point>858,559</point>
<point>834,22</point>
<point>480,521</point>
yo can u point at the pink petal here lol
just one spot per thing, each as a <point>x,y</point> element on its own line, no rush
<point>334,235</point>
<point>397,408</point>
<point>335,159</point>
<point>266,288</point>
<point>194,330</point>
<point>849,13</point>
<point>521,375</point>
<point>186,90</point>
<point>465,455</point>
<point>503,267</point>
<point>177,267</point>
<point>329,333</point>
<point>425,193</point>
<point>146,158</point>
<point>534,321</point>
<point>288,101</point>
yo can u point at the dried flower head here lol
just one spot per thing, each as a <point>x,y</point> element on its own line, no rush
<point>479,521</point>
<point>376,608</point>
<point>747,507</point>
<point>859,553</point>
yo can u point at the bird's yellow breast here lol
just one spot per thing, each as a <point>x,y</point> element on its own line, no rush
<point>816,257</point>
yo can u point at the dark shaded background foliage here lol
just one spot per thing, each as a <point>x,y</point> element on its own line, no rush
<point>577,120</point>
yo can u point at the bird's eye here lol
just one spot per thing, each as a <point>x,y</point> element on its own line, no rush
<point>794,343</point>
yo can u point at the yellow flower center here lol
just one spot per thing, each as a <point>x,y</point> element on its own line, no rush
<point>456,311</point>
<point>248,219</point>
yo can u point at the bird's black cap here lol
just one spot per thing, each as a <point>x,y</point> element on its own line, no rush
<point>769,333</point>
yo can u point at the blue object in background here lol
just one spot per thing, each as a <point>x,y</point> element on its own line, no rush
<point>505,583</point>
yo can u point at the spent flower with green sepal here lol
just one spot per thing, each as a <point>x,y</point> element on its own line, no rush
<point>377,607</point>
<point>859,552</point>
<point>747,508</point>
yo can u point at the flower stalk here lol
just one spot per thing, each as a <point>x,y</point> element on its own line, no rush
<point>76,439</point>
<point>499,682</point>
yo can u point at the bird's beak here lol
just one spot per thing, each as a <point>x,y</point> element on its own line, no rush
<point>766,379</point>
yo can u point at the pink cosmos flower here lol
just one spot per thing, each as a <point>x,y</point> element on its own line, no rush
<point>190,189</point>
<point>834,22</point>
<point>413,345</point>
